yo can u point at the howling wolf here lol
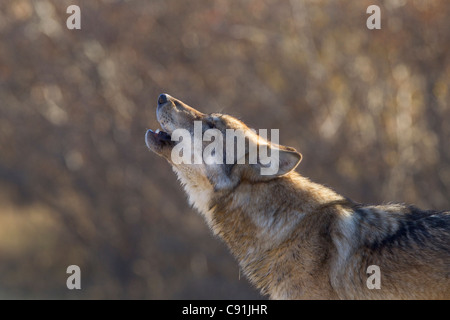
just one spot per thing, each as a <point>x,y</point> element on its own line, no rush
<point>293,238</point>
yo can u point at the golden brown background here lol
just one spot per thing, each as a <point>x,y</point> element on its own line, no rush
<point>369,110</point>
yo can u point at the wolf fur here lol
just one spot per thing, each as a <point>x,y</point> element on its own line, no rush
<point>296,239</point>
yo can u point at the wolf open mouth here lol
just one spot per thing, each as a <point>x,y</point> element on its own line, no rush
<point>161,135</point>
<point>156,140</point>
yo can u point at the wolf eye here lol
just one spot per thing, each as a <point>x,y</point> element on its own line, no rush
<point>211,123</point>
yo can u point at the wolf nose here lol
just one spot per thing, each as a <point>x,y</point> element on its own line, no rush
<point>163,98</point>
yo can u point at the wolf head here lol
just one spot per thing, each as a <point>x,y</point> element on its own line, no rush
<point>217,148</point>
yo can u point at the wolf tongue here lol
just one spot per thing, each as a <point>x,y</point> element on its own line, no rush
<point>164,135</point>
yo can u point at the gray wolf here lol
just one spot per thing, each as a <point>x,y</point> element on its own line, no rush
<point>296,239</point>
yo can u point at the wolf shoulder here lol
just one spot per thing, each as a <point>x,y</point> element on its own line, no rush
<point>410,246</point>
<point>383,227</point>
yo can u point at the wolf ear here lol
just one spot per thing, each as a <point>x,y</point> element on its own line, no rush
<point>281,161</point>
<point>289,159</point>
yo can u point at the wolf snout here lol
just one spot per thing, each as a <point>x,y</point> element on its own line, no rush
<point>162,99</point>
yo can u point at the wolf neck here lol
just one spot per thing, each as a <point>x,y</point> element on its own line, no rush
<point>199,191</point>
<point>256,217</point>
<point>257,220</point>
<point>267,207</point>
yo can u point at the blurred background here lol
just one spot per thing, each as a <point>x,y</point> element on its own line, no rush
<point>369,110</point>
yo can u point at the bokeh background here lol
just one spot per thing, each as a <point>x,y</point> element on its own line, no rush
<point>369,110</point>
